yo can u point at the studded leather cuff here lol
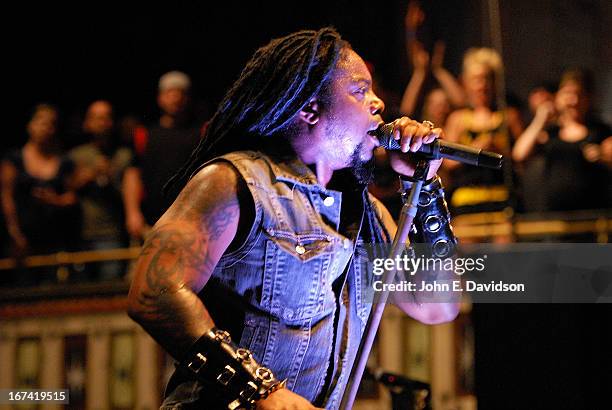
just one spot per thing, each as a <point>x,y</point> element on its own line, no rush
<point>216,359</point>
<point>432,221</point>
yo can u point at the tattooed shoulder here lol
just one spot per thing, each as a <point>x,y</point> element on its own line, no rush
<point>221,217</point>
<point>188,240</point>
<point>210,198</point>
<point>174,258</point>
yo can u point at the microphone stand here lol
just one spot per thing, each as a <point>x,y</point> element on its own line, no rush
<point>400,241</point>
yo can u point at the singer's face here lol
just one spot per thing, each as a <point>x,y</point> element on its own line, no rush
<point>353,110</point>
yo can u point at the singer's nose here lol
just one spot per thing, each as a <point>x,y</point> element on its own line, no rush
<point>377,105</point>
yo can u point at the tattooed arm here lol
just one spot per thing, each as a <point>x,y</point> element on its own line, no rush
<point>180,254</point>
<point>178,257</point>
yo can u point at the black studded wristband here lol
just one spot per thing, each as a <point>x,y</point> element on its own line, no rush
<point>215,358</point>
<point>432,221</point>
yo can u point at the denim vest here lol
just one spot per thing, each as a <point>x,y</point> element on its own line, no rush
<point>294,322</point>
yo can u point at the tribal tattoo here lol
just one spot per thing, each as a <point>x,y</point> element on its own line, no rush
<point>172,254</point>
<point>179,256</point>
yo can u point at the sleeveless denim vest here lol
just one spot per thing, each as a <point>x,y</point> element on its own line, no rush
<point>294,323</point>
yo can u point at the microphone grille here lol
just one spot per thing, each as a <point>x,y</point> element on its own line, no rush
<point>384,133</point>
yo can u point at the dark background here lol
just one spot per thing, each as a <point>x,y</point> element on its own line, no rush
<point>71,56</point>
<point>527,356</point>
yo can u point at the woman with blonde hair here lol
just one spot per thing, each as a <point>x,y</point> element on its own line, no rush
<point>483,124</point>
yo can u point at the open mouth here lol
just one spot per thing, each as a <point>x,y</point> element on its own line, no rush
<point>373,139</point>
<point>377,126</point>
<point>371,132</point>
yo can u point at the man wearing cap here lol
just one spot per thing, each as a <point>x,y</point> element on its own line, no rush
<point>254,280</point>
<point>159,150</point>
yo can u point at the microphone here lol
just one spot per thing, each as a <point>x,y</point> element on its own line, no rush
<point>442,149</point>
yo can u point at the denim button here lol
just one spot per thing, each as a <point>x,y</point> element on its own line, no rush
<point>300,249</point>
<point>329,201</point>
<point>346,243</point>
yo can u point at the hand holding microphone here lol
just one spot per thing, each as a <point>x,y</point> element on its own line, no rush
<point>406,135</point>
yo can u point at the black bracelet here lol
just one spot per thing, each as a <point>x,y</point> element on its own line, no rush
<point>215,358</point>
<point>432,221</point>
<point>407,182</point>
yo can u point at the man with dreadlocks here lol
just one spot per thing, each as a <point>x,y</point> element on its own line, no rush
<point>248,278</point>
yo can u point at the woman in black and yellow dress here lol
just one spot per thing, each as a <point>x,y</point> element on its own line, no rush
<point>481,125</point>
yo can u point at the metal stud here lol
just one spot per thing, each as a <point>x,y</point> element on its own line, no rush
<point>227,375</point>
<point>441,248</point>
<point>264,374</point>
<point>223,336</point>
<point>433,223</point>
<point>197,363</point>
<point>248,393</point>
<point>425,198</point>
<point>244,355</point>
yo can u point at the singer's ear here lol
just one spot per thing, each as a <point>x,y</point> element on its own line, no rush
<point>311,114</point>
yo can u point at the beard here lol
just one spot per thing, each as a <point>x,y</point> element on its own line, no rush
<point>363,170</point>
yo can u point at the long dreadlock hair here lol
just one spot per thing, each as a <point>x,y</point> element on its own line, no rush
<point>279,81</point>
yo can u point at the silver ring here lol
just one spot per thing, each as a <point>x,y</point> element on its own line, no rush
<point>429,124</point>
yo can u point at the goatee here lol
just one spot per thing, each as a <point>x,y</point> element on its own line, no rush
<point>362,170</point>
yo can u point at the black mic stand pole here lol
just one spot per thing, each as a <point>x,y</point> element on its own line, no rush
<point>400,241</point>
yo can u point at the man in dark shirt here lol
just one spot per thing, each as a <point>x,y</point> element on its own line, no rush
<point>159,150</point>
<point>100,162</point>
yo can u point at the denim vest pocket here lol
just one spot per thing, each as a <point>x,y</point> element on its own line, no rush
<point>363,281</point>
<point>295,274</point>
<point>248,332</point>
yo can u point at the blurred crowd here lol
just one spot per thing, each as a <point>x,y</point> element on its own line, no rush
<point>558,153</point>
<point>97,190</point>
<point>103,188</point>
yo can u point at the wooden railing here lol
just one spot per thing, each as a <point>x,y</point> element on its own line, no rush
<point>482,226</point>
<point>526,227</point>
<point>53,316</point>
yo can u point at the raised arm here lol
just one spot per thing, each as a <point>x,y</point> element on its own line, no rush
<point>534,133</point>
<point>420,60</point>
<point>447,81</point>
<point>179,256</point>
<point>417,55</point>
